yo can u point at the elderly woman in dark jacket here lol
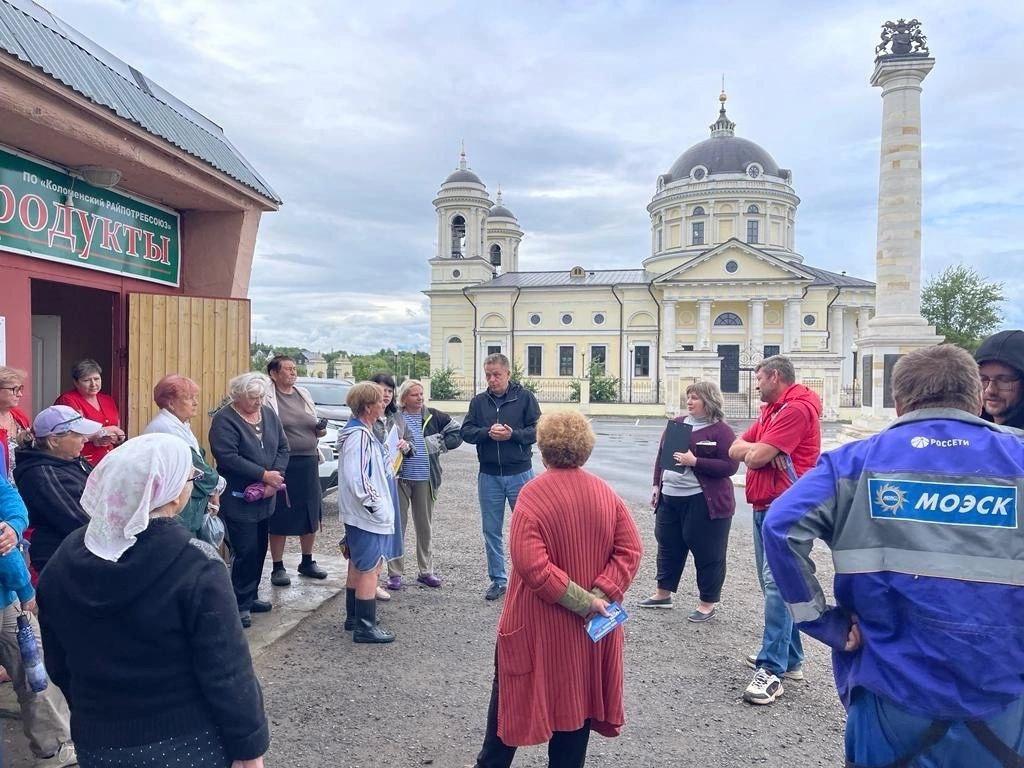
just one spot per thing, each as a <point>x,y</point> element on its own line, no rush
<point>51,474</point>
<point>251,450</point>
<point>138,625</point>
<point>694,504</point>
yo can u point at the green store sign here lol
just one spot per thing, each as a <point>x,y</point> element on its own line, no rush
<point>50,215</point>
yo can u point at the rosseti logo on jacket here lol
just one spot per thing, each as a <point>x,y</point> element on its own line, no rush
<point>925,442</point>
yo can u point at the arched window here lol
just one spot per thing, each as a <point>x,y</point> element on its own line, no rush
<point>496,255</point>
<point>753,209</point>
<point>454,340</point>
<point>728,318</point>
<point>698,211</point>
<point>458,237</point>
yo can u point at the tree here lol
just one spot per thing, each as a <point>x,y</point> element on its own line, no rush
<point>518,375</point>
<point>962,305</point>
<point>443,385</point>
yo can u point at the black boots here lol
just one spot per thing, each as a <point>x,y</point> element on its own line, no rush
<point>366,629</point>
<point>350,609</point>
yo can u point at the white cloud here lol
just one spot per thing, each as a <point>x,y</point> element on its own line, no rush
<point>354,114</point>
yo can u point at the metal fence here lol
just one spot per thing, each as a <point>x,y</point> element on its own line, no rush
<point>849,397</point>
<point>554,390</point>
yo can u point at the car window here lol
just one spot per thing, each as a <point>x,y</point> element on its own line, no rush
<point>327,394</point>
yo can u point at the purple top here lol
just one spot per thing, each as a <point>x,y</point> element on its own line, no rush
<point>714,470</point>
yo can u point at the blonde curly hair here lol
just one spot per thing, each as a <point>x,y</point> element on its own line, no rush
<point>565,439</point>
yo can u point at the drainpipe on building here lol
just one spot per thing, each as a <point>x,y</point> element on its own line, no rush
<point>512,331</point>
<point>476,342</point>
<point>622,338</point>
<point>657,338</point>
<point>828,321</point>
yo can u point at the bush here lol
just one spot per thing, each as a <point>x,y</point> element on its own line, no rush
<point>443,386</point>
<point>519,377</point>
<point>603,388</point>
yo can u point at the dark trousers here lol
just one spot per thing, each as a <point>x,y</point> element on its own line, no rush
<point>249,543</point>
<point>567,749</point>
<point>682,526</point>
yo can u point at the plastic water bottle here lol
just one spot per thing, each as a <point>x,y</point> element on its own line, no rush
<point>35,672</point>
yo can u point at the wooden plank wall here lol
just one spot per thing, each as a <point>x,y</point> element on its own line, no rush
<point>204,339</point>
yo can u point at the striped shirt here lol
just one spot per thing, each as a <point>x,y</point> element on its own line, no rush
<point>415,466</point>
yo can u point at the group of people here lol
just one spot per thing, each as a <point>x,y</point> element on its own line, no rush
<point>142,623</point>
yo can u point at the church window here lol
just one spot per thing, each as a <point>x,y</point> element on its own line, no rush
<point>458,237</point>
<point>642,361</point>
<point>770,350</point>
<point>810,319</point>
<point>657,247</point>
<point>731,266</point>
<point>753,209</point>
<point>698,211</point>
<point>598,357</point>
<point>534,357</point>
<point>698,233</point>
<point>456,273</point>
<point>567,319</point>
<point>698,173</point>
<point>496,255</point>
<point>494,349</point>
<point>728,319</point>
<point>454,340</point>
<point>753,231</point>
<point>754,170</point>
<point>566,357</point>
<point>534,319</point>
<point>599,318</point>
<point>577,272</point>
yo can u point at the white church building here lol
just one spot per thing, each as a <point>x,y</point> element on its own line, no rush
<point>722,286</point>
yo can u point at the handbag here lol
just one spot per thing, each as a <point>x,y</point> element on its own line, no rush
<point>212,531</point>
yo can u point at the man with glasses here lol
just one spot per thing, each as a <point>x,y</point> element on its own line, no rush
<point>1001,365</point>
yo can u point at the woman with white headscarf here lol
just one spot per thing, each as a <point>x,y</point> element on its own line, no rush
<point>140,627</point>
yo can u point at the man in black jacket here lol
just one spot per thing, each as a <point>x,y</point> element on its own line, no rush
<point>1001,366</point>
<point>502,424</point>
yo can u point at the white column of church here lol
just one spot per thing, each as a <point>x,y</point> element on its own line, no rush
<point>704,325</point>
<point>792,325</point>
<point>863,315</point>
<point>756,314</point>
<point>668,327</point>
<point>835,329</point>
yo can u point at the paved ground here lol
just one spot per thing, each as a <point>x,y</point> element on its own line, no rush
<point>422,700</point>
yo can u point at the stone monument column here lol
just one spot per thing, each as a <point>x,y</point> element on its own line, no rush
<point>897,327</point>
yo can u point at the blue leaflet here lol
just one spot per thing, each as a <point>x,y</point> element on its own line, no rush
<point>599,626</point>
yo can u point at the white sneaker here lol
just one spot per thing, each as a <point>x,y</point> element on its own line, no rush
<point>765,688</point>
<point>796,673</point>
<point>65,756</point>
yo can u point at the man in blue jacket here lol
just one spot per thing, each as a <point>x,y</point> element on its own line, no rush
<point>502,424</point>
<point>923,520</point>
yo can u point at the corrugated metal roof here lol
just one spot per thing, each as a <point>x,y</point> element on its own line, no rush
<point>599,277</point>
<point>34,35</point>
<point>824,277</point>
<point>607,277</point>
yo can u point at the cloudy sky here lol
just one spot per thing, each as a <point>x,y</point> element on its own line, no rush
<point>354,113</point>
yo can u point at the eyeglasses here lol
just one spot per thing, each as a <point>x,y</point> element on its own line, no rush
<point>195,474</point>
<point>15,390</point>
<point>63,427</point>
<point>1003,383</point>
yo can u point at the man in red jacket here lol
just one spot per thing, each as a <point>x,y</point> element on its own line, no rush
<point>781,445</point>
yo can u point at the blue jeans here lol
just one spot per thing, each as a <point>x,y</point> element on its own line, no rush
<point>781,648</point>
<point>494,490</point>
<point>880,733</point>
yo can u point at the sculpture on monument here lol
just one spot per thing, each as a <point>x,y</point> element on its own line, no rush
<point>905,37</point>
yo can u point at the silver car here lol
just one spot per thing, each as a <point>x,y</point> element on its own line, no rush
<point>329,398</point>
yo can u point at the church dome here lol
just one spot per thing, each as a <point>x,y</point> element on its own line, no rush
<point>465,175</point>
<point>724,152</point>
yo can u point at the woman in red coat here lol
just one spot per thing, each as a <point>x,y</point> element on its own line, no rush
<point>87,399</point>
<point>574,549</point>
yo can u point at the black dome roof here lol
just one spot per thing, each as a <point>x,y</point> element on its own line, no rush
<point>463,175</point>
<point>723,154</point>
<point>501,210</point>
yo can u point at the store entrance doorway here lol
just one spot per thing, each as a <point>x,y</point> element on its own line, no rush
<point>70,323</point>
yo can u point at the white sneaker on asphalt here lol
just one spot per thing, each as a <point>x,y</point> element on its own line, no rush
<point>765,688</point>
<point>62,758</point>
<point>796,673</point>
